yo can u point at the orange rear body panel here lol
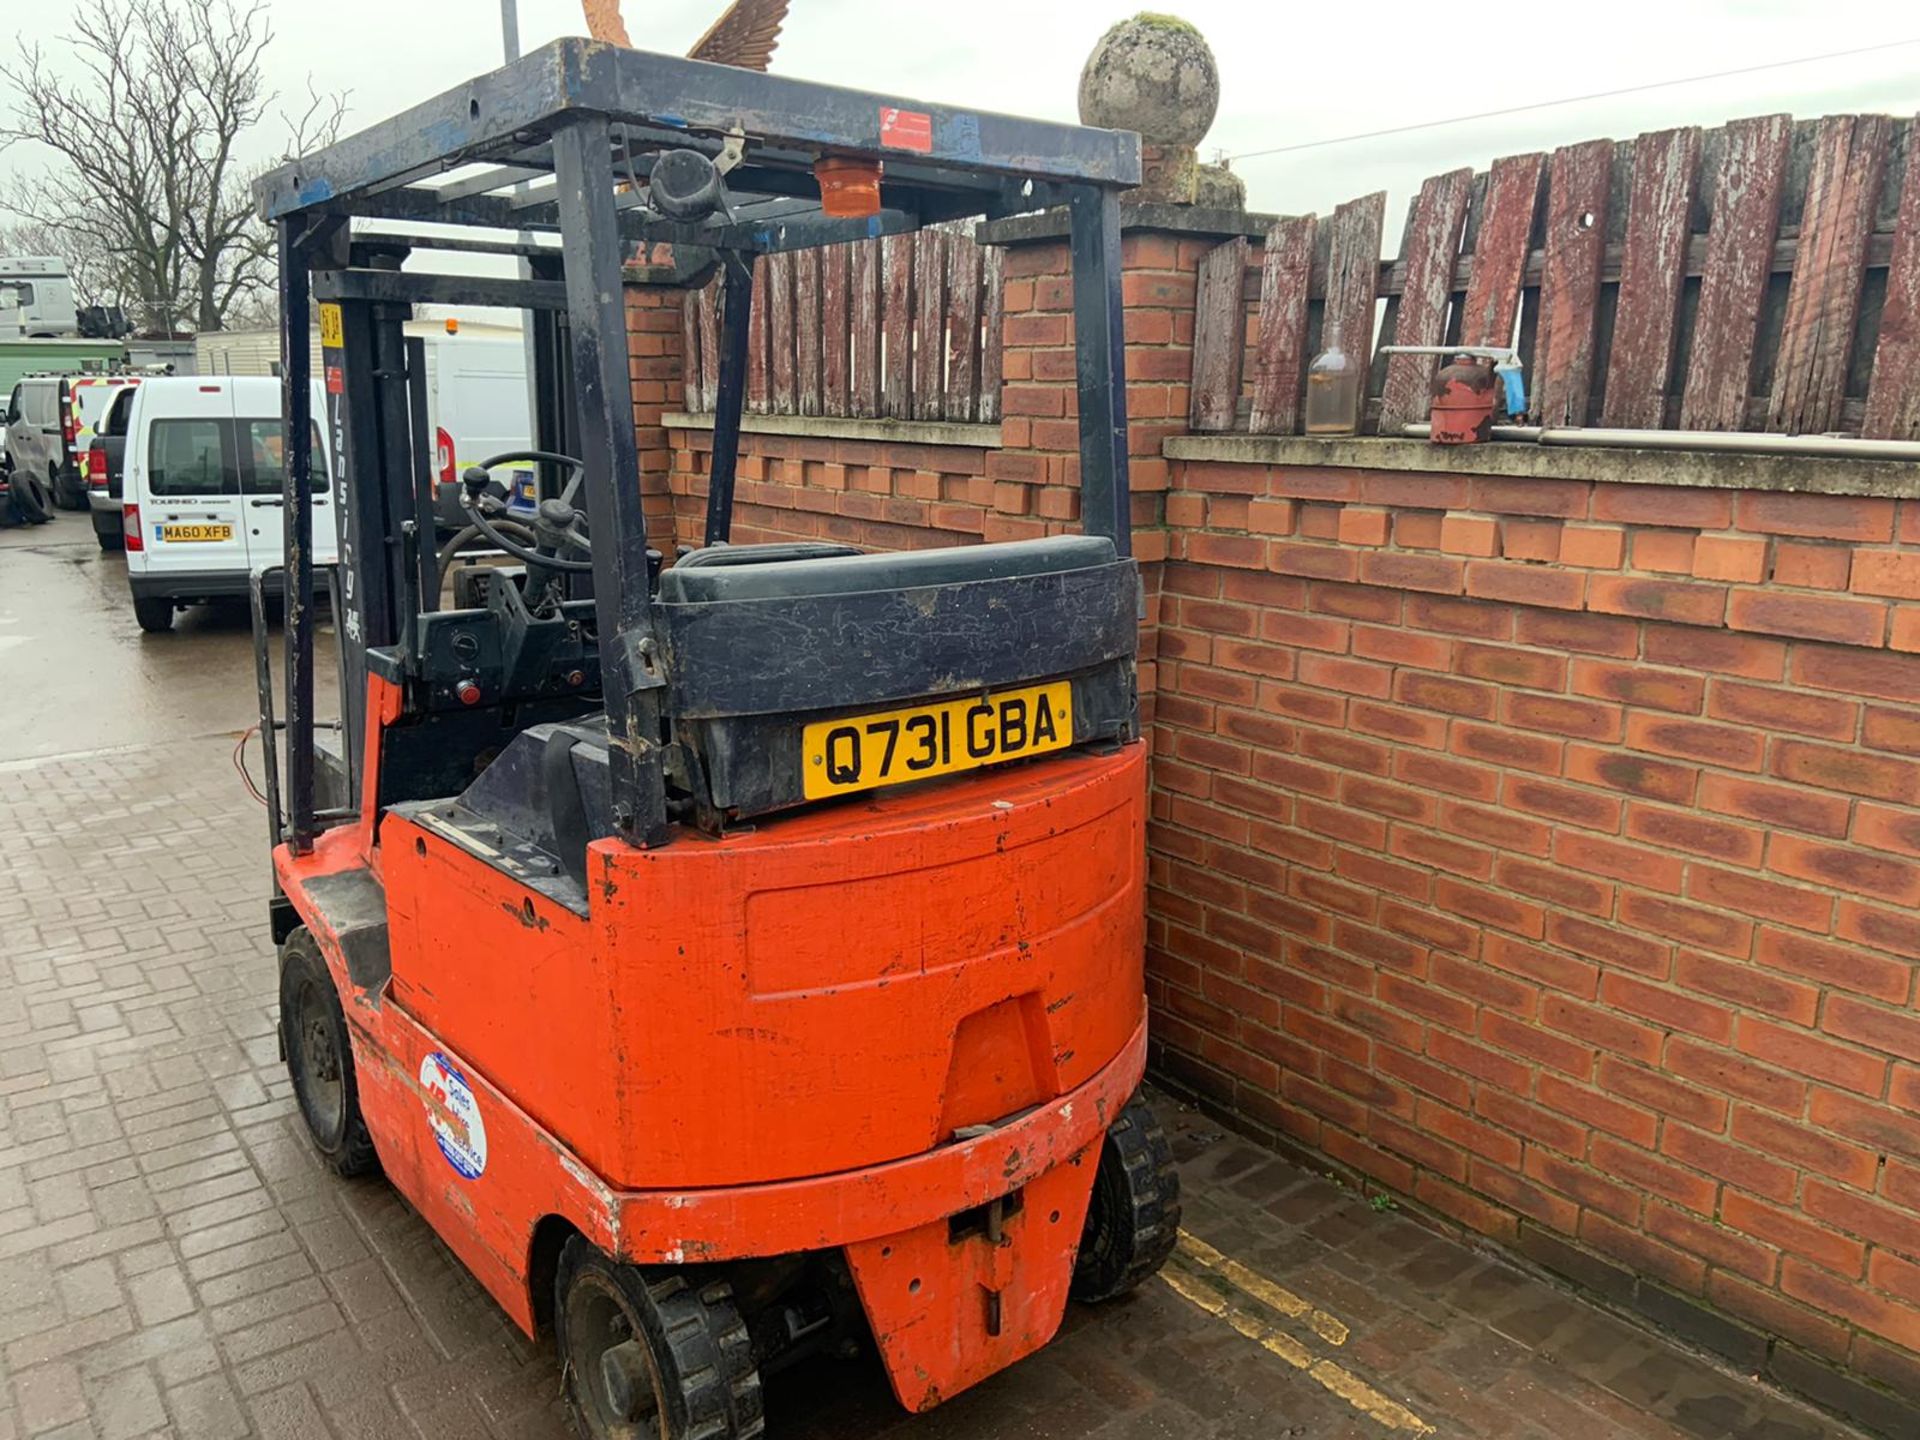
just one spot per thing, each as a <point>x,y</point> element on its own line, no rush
<point>835,1031</point>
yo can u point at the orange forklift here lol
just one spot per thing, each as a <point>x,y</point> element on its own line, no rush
<point>736,961</point>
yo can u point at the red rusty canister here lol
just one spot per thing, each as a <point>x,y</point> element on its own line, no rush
<point>1463,399</point>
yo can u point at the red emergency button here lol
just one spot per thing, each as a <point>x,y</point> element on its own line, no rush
<point>467,693</point>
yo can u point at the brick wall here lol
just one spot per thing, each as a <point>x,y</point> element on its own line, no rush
<point>1546,850</point>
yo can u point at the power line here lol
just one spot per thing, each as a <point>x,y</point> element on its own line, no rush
<point>1577,99</point>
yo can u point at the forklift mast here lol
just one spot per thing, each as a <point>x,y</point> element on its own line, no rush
<point>702,672</point>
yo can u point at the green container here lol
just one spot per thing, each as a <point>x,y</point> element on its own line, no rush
<point>56,357</point>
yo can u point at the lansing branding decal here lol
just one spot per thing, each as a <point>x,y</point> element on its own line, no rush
<point>454,1115</point>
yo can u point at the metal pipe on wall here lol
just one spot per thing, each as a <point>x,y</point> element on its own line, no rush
<point>1722,442</point>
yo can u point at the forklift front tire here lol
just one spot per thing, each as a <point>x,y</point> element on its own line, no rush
<point>655,1352</point>
<point>1133,1220</point>
<point>313,1032</point>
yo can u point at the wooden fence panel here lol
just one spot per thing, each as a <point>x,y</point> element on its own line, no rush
<point>1653,269</point>
<point>1219,337</point>
<point>1502,233</point>
<point>780,335</point>
<point>1577,193</point>
<point>1893,400</point>
<point>864,401</point>
<point>1353,277</point>
<point>690,371</point>
<point>836,336</point>
<point>993,311</point>
<point>897,326</point>
<point>1823,302</point>
<point>1280,356</point>
<point>1744,222</point>
<point>963,329</point>
<point>758,399</point>
<point>1428,251</point>
<point>807,329</point>
<point>929,323</point>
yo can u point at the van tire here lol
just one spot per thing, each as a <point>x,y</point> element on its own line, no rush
<point>155,615</point>
<point>67,496</point>
<point>29,499</point>
<point>113,542</point>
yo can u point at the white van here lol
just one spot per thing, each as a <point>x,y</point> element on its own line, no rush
<point>36,298</point>
<point>201,499</point>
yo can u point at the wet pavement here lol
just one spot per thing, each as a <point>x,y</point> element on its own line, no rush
<point>174,1262</point>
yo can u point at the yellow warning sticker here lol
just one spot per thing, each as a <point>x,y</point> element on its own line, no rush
<point>332,333</point>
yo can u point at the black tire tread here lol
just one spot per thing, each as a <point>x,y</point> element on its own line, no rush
<point>1142,1159</point>
<point>154,616</point>
<point>709,1353</point>
<point>354,1154</point>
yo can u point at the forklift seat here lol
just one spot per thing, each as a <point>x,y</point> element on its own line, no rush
<point>722,573</point>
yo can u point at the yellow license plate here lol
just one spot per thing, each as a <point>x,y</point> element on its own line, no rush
<point>891,747</point>
<point>195,534</point>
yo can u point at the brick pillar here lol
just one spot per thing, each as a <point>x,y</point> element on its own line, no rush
<point>654,358</point>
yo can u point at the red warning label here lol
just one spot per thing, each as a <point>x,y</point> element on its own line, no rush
<point>906,130</point>
<point>336,380</point>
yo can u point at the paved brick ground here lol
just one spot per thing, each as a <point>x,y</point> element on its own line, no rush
<point>172,1261</point>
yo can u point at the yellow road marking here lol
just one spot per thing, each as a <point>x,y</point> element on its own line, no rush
<point>1197,1290</point>
<point>1264,1290</point>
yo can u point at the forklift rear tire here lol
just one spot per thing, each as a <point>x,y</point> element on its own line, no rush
<point>1133,1220</point>
<point>656,1352</point>
<point>155,616</point>
<point>320,1059</point>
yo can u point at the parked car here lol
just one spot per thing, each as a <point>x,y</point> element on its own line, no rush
<point>202,507</point>
<point>105,466</point>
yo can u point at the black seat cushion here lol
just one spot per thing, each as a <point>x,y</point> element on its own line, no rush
<point>698,580</point>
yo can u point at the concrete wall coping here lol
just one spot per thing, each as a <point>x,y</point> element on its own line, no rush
<point>1176,219</point>
<point>1891,479</point>
<point>834,427</point>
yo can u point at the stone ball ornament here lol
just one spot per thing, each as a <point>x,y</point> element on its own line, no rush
<point>1154,74</point>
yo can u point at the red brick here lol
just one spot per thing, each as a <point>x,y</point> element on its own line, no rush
<point>1629,1122</point>
<point>1738,558</point>
<point>1897,1032</point>
<point>1589,634</point>
<point>1555,884</point>
<point>1696,649</point>
<point>1879,1127</point>
<point>1809,1055</point>
<point>1844,1296</point>
<point>1827,517</point>
<point>1713,1243</point>
<point>1738,1165</point>
<point>1855,672</point>
<point>1307,483</point>
<point>1495,827</point>
<point>1664,505</point>
<point>1764,899</point>
<point>1885,828</point>
<point>1771,709</point>
<point>1679,830</point>
<point>1882,1224</point>
<point>1665,552</point>
<point>1562,802</point>
<point>1471,618</point>
<point>1363,525</point>
<point>1844,622</point>
<point>1812,566</point>
<point>1661,1094</point>
<point>1893,573</point>
<point>1845,867</point>
<point>1505,747</point>
<point>1639,686</point>
<point>1469,535</point>
<point>1417,529</point>
<point>1889,729</point>
<point>1795,1140</point>
<point>1506,666</point>
<point>1649,1173</point>
<point>1744,1080</point>
<point>1475,782</point>
<point>1777,1315</point>
<point>1522,584</point>
<point>1670,1009</point>
<point>1775,804</point>
<point>1632,774</point>
<point>1598,1027</point>
<point>1622,862</point>
<point>1564,498</point>
<point>1835,769</point>
<point>1592,1190</point>
<point>1688,602</point>
<point>1470,1134</point>
<point>1897,931</point>
<point>1845,966</point>
<point>1593,547</point>
<point>1265,517</point>
<point>1517,1037</point>
<point>1792,1233</point>
<point>1412,572</point>
<point>1447,695</point>
<point>1316,562</point>
<point>1488,907</point>
<point>1574,719</point>
<point>1905,633</point>
<point>1743,985</point>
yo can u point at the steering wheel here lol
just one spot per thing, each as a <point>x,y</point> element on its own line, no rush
<point>557,525</point>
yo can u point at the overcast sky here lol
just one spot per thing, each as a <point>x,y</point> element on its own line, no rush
<point>1291,72</point>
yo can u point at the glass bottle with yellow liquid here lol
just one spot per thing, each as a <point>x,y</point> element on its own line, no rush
<point>1333,389</point>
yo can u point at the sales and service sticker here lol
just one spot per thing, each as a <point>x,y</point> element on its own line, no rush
<point>454,1115</point>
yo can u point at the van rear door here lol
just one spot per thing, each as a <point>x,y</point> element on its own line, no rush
<point>262,445</point>
<point>188,484</point>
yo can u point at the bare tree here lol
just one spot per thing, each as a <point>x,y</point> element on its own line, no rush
<point>144,125</point>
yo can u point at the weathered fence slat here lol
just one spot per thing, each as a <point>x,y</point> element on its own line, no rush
<point>757,394</point>
<point>1280,356</point>
<point>1353,278</point>
<point>1577,190</point>
<point>865,320</point>
<point>1744,221</point>
<point>1893,400</point>
<point>929,321</point>
<point>710,342</point>
<point>993,311</point>
<point>806,331</point>
<point>963,328</point>
<point>690,371</point>
<point>897,326</point>
<point>1653,267</point>
<point>836,354</point>
<point>1432,241</point>
<point>1500,241</point>
<point>780,328</point>
<point>1219,336</point>
<point>1823,301</point>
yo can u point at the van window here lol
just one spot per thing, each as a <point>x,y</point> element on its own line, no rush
<point>119,410</point>
<point>184,457</point>
<point>17,292</point>
<point>263,445</point>
<point>42,403</point>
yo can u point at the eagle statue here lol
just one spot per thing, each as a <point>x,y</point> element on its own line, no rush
<point>744,36</point>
